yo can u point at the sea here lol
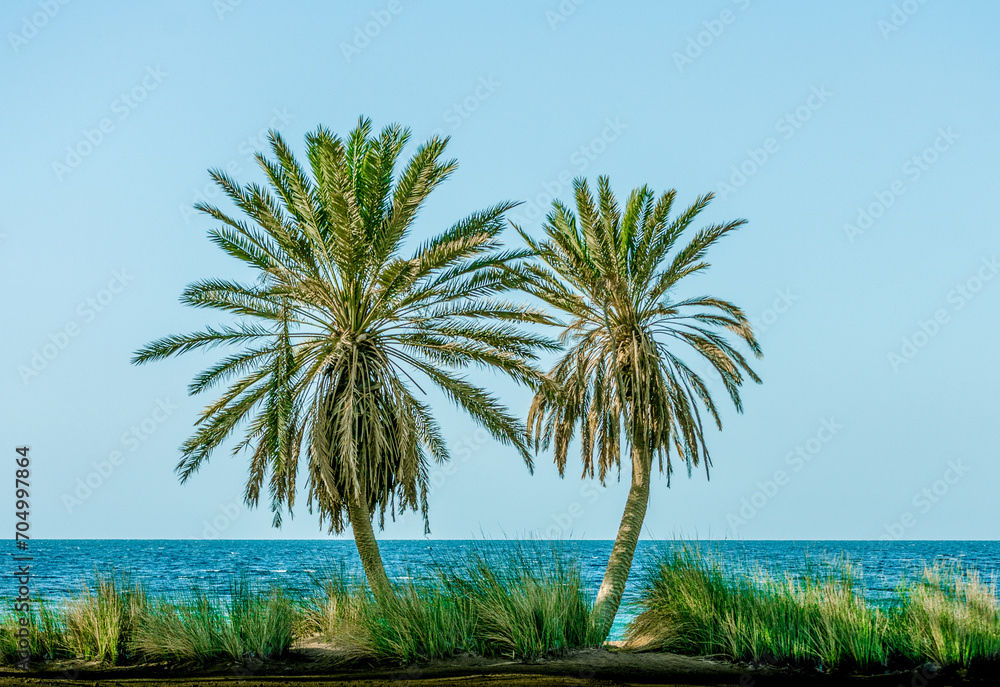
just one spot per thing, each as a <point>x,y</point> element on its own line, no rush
<point>60,567</point>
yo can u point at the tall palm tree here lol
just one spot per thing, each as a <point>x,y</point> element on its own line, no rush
<point>339,325</point>
<point>622,379</point>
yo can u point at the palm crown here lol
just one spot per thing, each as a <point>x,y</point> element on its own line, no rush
<point>609,272</point>
<point>340,325</point>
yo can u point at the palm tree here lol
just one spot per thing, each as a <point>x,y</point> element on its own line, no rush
<point>339,325</point>
<point>622,379</point>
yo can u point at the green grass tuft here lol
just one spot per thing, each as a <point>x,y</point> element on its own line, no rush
<point>334,613</point>
<point>422,622</point>
<point>525,606</point>
<point>99,622</point>
<point>691,605</point>
<point>201,628</point>
<point>44,634</point>
<point>520,605</point>
<point>950,616</point>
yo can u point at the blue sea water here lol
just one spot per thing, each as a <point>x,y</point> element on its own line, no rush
<point>60,567</point>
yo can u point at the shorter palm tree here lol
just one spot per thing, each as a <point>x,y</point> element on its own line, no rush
<point>622,380</point>
<point>340,323</point>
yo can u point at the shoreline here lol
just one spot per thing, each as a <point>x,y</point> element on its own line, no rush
<point>317,664</point>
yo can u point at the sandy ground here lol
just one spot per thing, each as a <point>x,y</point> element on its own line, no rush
<point>317,665</point>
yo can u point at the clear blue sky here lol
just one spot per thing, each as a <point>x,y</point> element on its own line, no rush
<point>858,139</point>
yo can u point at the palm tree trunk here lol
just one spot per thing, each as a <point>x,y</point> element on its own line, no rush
<point>609,597</point>
<point>371,559</point>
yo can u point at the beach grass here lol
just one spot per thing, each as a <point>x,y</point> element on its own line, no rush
<point>99,621</point>
<point>525,604</point>
<point>334,611</point>
<point>112,620</point>
<point>198,628</point>
<point>691,604</point>
<point>949,616</point>
<point>43,633</point>
<point>421,622</point>
<point>517,605</point>
<point>528,604</point>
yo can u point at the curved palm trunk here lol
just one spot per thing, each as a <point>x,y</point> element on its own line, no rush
<point>371,559</point>
<point>609,597</point>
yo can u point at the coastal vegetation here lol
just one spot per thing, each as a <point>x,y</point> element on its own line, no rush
<point>520,605</point>
<point>692,604</point>
<point>333,333</point>
<point>533,604</point>
<point>342,319</point>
